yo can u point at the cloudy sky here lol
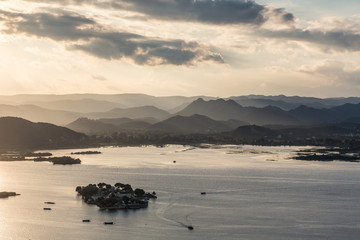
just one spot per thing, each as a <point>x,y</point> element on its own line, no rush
<point>180,47</point>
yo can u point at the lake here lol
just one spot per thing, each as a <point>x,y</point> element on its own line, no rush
<point>253,192</point>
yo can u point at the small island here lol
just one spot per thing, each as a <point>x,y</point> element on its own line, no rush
<point>39,157</point>
<point>329,154</point>
<point>8,194</point>
<point>65,160</point>
<point>119,196</point>
<point>37,154</point>
<point>86,152</point>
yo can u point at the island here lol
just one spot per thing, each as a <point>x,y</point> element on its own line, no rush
<point>39,157</point>
<point>86,152</point>
<point>8,194</point>
<point>65,160</point>
<point>37,154</point>
<point>329,154</point>
<point>119,196</point>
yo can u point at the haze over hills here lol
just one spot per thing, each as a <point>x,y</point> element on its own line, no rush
<point>136,112</point>
<point>104,102</point>
<point>121,121</point>
<point>108,101</point>
<point>337,114</point>
<point>62,118</point>
<point>19,133</point>
<point>91,127</point>
<point>38,114</point>
<point>107,126</point>
<point>191,124</point>
<point>100,107</point>
<point>224,110</point>
<point>292,102</point>
<point>176,124</point>
<point>79,106</point>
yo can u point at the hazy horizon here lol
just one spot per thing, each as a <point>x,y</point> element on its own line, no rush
<point>178,95</point>
<point>188,48</point>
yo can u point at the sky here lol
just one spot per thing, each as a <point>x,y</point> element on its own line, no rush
<point>217,48</point>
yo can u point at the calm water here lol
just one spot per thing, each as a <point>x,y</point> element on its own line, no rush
<point>252,193</point>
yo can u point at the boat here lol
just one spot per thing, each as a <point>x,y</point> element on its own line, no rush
<point>47,209</point>
<point>203,193</point>
<point>108,223</point>
<point>190,227</point>
<point>86,220</point>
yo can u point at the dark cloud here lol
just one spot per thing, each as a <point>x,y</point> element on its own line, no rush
<point>206,11</point>
<point>84,34</point>
<point>56,26</point>
<point>282,15</point>
<point>327,40</point>
<point>203,11</point>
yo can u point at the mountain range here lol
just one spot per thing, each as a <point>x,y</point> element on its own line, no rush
<point>105,114</point>
<point>224,110</point>
<point>104,102</point>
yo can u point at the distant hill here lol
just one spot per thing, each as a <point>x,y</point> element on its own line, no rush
<point>134,126</point>
<point>254,132</point>
<point>128,123</point>
<point>251,109</point>
<point>291,102</point>
<point>81,106</point>
<point>18,133</point>
<point>124,100</point>
<point>133,113</point>
<point>261,103</point>
<point>191,124</point>
<point>172,104</point>
<point>337,114</point>
<point>91,127</point>
<point>38,114</point>
<point>121,121</point>
<point>228,109</point>
<point>107,126</point>
<point>321,131</point>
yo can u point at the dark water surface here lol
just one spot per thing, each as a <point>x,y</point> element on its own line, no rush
<point>252,193</point>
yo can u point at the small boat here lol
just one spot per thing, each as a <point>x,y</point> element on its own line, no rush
<point>47,209</point>
<point>203,193</point>
<point>49,202</point>
<point>174,161</point>
<point>86,220</point>
<point>190,227</point>
<point>108,223</point>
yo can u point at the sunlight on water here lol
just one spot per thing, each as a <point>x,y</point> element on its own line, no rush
<point>251,193</point>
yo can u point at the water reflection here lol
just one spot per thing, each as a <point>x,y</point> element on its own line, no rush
<point>247,196</point>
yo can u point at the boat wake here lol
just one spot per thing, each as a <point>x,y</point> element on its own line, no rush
<point>160,213</point>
